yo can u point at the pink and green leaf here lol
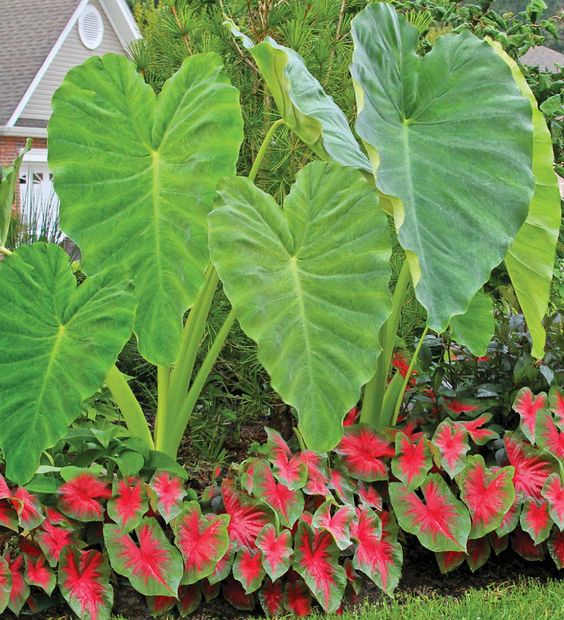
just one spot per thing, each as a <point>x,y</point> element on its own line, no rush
<point>271,597</point>
<point>160,605</point>
<point>362,451</point>
<point>527,405</point>
<point>5,583</point>
<point>234,594</point>
<point>52,539</point>
<point>223,566</point>
<point>412,461</point>
<point>478,553</point>
<point>498,543</point>
<point>336,524</point>
<point>170,492</point>
<point>209,590</point>
<point>556,405</point>
<point>535,519</point>
<point>202,539</point>
<point>81,497</point>
<point>128,504</point>
<point>316,560</point>
<point>451,439</point>
<point>525,546</point>
<point>553,492</point>
<point>288,504</point>
<point>289,468</point>
<point>556,548</point>
<point>317,475</point>
<point>456,406</point>
<point>28,508</point>
<point>8,516</point>
<point>488,494</point>
<point>369,496</point>
<point>353,578</point>
<point>297,599</point>
<point>84,581</point>
<point>510,518</point>
<point>531,468</point>
<point>378,554</point>
<point>19,592</point>
<point>449,560</point>
<point>342,486</point>
<point>441,522</point>
<point>151,563</point>
<point>276,551</point>
<point>480,436</point>
<point>39,573</point>
<point>189,598</point>
<point>248,569</point>
<point>549,436</point>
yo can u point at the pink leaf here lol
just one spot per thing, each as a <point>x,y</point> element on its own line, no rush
<point>378,554</point>
<point>317,476</point>
<point>553,492</point>
<point>362,451</point>
<point>316,559</point>
<point>5,583</point>
<point>8,516</point>
<point>52,539</point>
<point>84,581</point>
<point>352,417</point>
<point>342,486</point>
<point>531,471</point>
<point>160,605</point>
<point>271,598</point>
<point>189,598</point>
<point>20,590</point>
<point>128,504</point>
<point>556,548</point>
<point>412,461</point>
<point>28,508</point>
<point>248,569</point>
<point>369,496</point>
<point>39,574</point>
<point>527,406</point>
<point>525,546</point>
<point>222,567</point>
<point>455,406</point>
<point>478,553</point>
<point>510,518</point>
<point>336,524</point>
<point>170,492</point>
<point>79,497</point>
<point>535,519</point>
<point>556,405</point>
<point>276,551</point>
<point>480,436</point>
<point>202,540</point>
<point>247,518</point>
<point>441,523</point>
<point>549,436</point>
<point>152,564</point>
<point>297,599</point>
<point>498,543</point>
<point>451,439</point>
<point>288,504</point>
<point>288,468</point>
<point>234,594</point>
<point>488,493</point>
<point>449,560</point>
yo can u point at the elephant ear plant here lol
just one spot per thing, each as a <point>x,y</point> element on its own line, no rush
<point>148,191</point>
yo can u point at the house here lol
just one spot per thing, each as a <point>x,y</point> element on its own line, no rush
<point>543,58</point>
<point>40,40</point>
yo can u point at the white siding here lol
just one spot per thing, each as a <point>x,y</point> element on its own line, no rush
<point>72,53</point>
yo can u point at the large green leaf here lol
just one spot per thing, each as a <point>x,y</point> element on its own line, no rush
<point>8,183</point>
<point>303,104</point>
<point>475,328</point>
<point>57,344</point>
<point>452,140</point>
<point>136,175</point>
<point>309,284</point>
<point>530,260</point>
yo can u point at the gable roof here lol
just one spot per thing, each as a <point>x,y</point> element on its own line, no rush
<point>32,32</point>
<point>545,58</point>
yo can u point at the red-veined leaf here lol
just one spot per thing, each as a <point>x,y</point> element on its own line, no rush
<point>5,583</point>
<point>152,564</point>
<point>234,594</point>
<point>288,468</point>
<point>451,439</point>
<point>478,553</point>
<point>317,476</point>
<point>378,554</point>
<point>369,496</point>
<point>5,492</point>
<point>480,436</point>
<point>84,581</point>
<point>510,518</point>
<point>527,405</point>
<point>38,573</point>
<point>535,519</point>
<point>160,605</point>
<point>209,590</point>
<point>55,517</point>
<point>549,436</point>
<point>556,548</point>
<point>128,504</point>
<point>247,517</point>
<point>498,543</point>
<point>531,470</point>
<point>553,492</point>
<point>276,551</point>
<point>556,405</point>
<point>441,523</point>
<point>80,497</point>
<point>353,578</point>
<point>223,566</point>
<point>8,516</point>
<point>488,493</point>
<point>297,599</point>
<point>342,486</point>
<point>449,560</point>
<point>271,597</point>
<point>412,461</point>
<point>28,508</point>
<point>352,417</point>
<point>288,504</point>
<point>362,451</point>
<point>189,598</point>
<point>456,406</point>
<point>52,539</point>
<point>169,490</point>
<point>202,539</point>
<point>316,559</point>
<point>20,590</point>
<point>525,546</point>
<point>336,524</point>
<point>248,569</point>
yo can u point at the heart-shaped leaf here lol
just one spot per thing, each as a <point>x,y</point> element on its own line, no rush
<point>553,492</point>
<point>535,519</point>
<point>248,569</point>
<point>58,342</point>
<point>170,492</point>
<point>478,553</point>
<point>527,405</point>
<point>309,284</point>
<point>362,451</point>
<point>129,503</point>
<point>276,550</point>
<point>475,328</point>
<point>531,469</point>
<point>549,436</point>
<point>442,130</point>
<point>136,175</point>
<point>336,523</point>
<point>451,439</point>
<point>412,460</point>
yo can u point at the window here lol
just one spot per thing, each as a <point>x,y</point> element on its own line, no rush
<point>91,27</point>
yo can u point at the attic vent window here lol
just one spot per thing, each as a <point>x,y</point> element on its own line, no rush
<point>91,27</point>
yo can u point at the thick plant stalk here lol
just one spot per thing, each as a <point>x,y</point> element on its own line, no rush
<point>129,406</point>
<point>5,251</point>
<point>375,389</point>
<point>163,417</point>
